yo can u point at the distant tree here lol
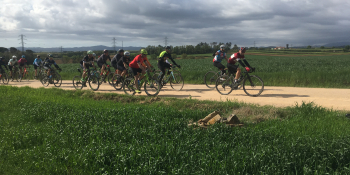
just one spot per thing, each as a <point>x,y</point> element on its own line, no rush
<point>65,59</point>
<point>3,49</point>
<point>308,47</point>
<point>346,48</point>
<point>235,48</point>
<point>322,47</point>
<point>173,55</point>
<point>184,56</point>
<point>29,51</point>
<point>13,50</point>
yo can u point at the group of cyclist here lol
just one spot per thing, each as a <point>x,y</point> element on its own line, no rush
<point>22,63</point>
<point>121,61</point>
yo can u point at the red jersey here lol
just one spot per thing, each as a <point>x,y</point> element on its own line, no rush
<point>22,61</point>
<point>235,57</point>
<point>138,59</point>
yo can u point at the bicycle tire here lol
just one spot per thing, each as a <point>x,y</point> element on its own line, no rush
<point>129,86</point>
<point>45,81</point>
<point>4,78</point>
<point>210,79</point>
<point>110,78</point>
<point>224,87</point>
<point>253,85</point>
<point>152,87</point>
<point>176,82</point>
<point>116,82</point>
<point>77,82</point>
<point>94,83</point>
<point>57,80</point>
<point>26,76</point>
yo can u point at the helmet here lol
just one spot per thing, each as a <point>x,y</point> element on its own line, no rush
<point>120,50</point>
<point>94,54</point>
<point>168,47</point>
<point>242,49</point>
<point>222,46</point>
<point>23,56</point>
<point>14,56</point>
<point>1,58</point>
<point>105,51</point>
<point>126,53</point>
<point>90,52</point>
<point>37,55</point>
<point>50,55</point>
<point>144,51</point>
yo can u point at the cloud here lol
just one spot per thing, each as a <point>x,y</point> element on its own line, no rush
<point>141,23</point>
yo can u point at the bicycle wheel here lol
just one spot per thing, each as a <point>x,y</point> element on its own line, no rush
<point>152,87</point>
<point>45,81</point>
<point>94,83</point>
<point>129,86</point>
<point>110,78</point>
<point>116,81</point>
<point>77,82</point>
<point>4,78</point>
<point>57,80</point>
<point>176,81</point>
<point>253,85</point>
<point>224,85</point>
<point>210,79</point>
<point>26,76</point>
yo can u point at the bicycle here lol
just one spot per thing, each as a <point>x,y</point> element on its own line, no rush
<point>4,78</point>
<point>118,80</point>
<point>252,84</point>
<point>92,77</point>
<point>24,75</point>
<point>56,78</point>
<point>151,85</point>
<point>210,78</point>
<point>108,75</point>
<point>15,73</point>
<point>175,79</point>
<point>38,73</point>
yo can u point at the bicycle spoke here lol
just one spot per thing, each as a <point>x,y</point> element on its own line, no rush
<point>253,85</point>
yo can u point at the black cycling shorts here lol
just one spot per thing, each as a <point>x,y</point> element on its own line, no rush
<point>35,67</point>
<point>162,66</point>
<point>121,68</point>
<point>136,70</point>
<point>232,68</point>
<point>219,65</point>
<point>10,67</point>
<point>100,64</point>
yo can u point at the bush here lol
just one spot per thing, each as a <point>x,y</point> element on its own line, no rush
<point>184,56</point>
<point>153,56</point>
<point>174,55</point>
<point>191,57</point>
<point>65,59</point>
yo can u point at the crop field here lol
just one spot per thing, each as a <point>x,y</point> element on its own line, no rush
<point>52,131</point>
<point>330,71</point>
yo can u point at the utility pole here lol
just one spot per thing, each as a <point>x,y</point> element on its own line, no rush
<point>254,43</point>
<point>22,42</point>
<point>114,44</point>
<point>122,45</point>
<point>61,48</point>
<point>166,41</point>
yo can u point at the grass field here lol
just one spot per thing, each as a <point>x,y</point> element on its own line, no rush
<point>52,131</point>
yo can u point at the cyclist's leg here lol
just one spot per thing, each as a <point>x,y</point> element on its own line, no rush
<point>35,70</point>
<point>161,68</point>
<point>121,70</point>
<point>220,66</point>
<point>10,67</point>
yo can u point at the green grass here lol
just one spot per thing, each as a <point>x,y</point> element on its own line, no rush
<point>52,131</point>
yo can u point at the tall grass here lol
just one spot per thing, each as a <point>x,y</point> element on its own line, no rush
<point>50,133</point>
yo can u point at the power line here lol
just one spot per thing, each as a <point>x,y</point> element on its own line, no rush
<point>114,43</point>
<point>166,41</point>
<point>61,48</point>
<point>22,42</point>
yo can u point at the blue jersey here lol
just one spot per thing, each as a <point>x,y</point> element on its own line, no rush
<point>219,56</point>
<point>37,61</point>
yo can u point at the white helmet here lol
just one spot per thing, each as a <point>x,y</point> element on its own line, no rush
<point>127,53</point>
<point>222,46</point>
<point>94,54</point>
<point>14,56</point>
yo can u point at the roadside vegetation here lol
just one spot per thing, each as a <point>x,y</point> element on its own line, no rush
<point>52,131</point>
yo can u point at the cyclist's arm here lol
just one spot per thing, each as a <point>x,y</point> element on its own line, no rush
<point>241,63</point>
<point>140,66</point>
<point>246,62</point>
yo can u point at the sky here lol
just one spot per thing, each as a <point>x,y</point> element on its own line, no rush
<point>76,23</point>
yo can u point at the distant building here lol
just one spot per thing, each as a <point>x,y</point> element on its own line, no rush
<point>279,48</point>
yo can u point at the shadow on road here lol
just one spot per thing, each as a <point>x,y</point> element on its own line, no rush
<point>282,95</point>
<point>177,96</point>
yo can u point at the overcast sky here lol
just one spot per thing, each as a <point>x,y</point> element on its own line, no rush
<point>75,23</point>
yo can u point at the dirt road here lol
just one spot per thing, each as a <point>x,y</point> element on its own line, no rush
<point>275,96</point>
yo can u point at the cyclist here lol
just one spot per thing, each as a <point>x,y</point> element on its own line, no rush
<point>163,62</point>
<point>47,65</point>
<point>137,67</point>
<point>12,63</point>
<point>88,61</point>
<point>238,57</point>
<point>119,62</point>
<point>37,63</point>
<point>21,62</point>
<point>102,62</point>
<point>2,63</point>
<point>219,55</point>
